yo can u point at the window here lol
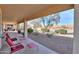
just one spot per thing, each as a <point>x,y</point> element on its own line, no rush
<point>21,27</point>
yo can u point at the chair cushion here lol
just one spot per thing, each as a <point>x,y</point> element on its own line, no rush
<point>16,48</point>
<point>9,41</point>
<point>7,35</point>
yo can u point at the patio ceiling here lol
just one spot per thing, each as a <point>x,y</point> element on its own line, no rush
<point>19,13</point>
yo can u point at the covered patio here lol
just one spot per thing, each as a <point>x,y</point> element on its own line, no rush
<point>12,16</point>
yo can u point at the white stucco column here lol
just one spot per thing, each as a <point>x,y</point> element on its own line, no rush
<point>25,28</point>
<point>76,31</point>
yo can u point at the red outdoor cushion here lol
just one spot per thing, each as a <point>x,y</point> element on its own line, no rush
<point>10,42</point>
<point>16,48</point>
<point>7,35</point>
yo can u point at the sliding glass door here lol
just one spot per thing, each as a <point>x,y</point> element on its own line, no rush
<point>21,27</point>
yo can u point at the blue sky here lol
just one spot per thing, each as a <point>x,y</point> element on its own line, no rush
<point>67,17</point>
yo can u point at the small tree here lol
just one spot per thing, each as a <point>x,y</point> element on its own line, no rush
<point>49,20</point>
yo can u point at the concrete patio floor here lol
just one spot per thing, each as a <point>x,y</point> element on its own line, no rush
<point>37,49</point>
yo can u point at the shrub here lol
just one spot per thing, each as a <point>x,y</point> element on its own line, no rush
<point>29,30</point>
<point>61,31</point>
<point>56,31</point>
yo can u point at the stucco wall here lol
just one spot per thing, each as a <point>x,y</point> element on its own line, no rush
<point>76,31</point>
<point>0,21</point>
<point>0,28</point>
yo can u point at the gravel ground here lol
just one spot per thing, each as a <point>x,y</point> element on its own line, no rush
<point>62,45</point>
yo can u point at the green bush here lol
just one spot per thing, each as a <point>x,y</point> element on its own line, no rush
<point>29,30</point>
<point>61,31</point>
<point>56,31</point>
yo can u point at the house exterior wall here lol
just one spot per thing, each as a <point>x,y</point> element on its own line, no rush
<point>0,28</point>
<point>13,23</point>
<point>76,31</point>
